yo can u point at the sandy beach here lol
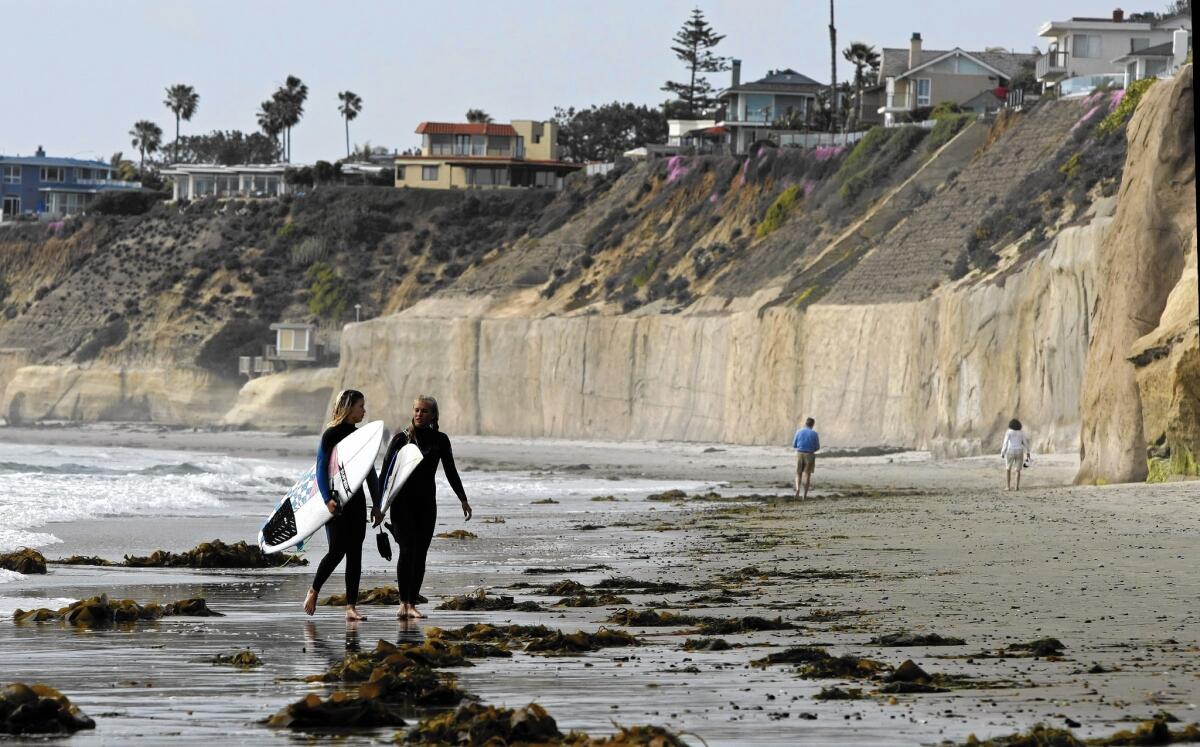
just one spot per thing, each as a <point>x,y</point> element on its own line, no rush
<point>887,543</point>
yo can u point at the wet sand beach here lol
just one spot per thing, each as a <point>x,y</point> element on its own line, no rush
<point>887,543</point>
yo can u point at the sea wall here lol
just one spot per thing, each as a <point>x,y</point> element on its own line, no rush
<point>945,373</point>
<point>180,395</point>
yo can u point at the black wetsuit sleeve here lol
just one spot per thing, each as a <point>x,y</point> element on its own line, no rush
<point>451,471</point>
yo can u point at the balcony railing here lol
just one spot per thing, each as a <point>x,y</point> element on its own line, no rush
<point>114,183</point>
<point>1052,63</point>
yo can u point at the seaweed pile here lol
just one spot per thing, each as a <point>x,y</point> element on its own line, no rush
<point>100,612</point>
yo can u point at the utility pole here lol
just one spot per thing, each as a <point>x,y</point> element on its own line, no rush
<point>832,72</point>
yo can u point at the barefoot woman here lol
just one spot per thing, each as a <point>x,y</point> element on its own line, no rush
<point>414,511</point>
<point>346,530</point>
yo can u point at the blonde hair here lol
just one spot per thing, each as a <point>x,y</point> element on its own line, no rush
<point>411,431</point>
<point>347,399</point>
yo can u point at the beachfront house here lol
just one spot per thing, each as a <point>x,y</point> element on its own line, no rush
<point>1084,52</point>
<point>50,187</point>
<point>1158,61</point>
<point>780,103</point>
<point>195,181</point>
<point>295,345</point>
<point>913,80</point>
<point>469,155</point>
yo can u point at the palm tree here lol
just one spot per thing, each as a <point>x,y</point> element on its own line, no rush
<point>270,121</point>
<point>350,107</point>
<point>147,136</point>
<point>182,100</point>
<point>290,99</point>
<point>478,116</point>
<point>863,57</point>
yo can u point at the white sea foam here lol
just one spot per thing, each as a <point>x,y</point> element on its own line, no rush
<point>47,485</point>
<point>43,486</point>
<point>7,576</point>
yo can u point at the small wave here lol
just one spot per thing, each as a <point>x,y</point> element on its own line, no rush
<point>186,468</point>
<point>7,576</point>
<point>68,468</point>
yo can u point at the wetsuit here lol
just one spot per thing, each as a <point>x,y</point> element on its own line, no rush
<point>414,511</point>
<point>346,530</point>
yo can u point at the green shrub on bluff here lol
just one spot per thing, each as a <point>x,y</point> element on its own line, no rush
<point>875,157</point>
<point>330,294</point>
<point>1119,116</point>
<point>778,211</point>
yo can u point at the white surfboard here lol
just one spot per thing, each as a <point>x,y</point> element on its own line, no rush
<point>302,512</point>
<point>405,463</point>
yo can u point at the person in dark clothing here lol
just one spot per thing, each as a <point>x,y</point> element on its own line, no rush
<point>348,527</point>
<point>414,510</point>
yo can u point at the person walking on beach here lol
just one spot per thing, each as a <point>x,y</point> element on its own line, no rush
<point>414,510</point>
<point>806,443</point>
<point>1014,450</point>
<point>347,529</point>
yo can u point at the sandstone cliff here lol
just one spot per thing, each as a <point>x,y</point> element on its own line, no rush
<point>1141,260</point>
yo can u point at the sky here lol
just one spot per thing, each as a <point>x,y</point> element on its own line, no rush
<point>83,72</point>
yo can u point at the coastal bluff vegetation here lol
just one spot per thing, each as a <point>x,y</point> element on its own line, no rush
<point>917,289</point>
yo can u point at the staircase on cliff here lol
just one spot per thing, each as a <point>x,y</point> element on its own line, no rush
<point>919,253</point>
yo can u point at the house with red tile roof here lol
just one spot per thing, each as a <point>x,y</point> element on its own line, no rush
<point>469,155</point>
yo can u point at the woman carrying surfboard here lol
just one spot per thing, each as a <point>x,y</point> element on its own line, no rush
<point>347,529</point>
<point>414,507</point>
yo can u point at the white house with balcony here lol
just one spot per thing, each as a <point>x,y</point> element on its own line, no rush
<point>782,102</point>
<point>194,181</point>
<point>1089,49</point>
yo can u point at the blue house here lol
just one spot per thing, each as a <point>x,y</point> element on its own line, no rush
<point>49,187</point>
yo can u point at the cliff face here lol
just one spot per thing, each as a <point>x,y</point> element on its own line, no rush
<point>943,373</point>
<point>1141,260</point>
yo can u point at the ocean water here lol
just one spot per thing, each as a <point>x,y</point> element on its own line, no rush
<point>87,500</point>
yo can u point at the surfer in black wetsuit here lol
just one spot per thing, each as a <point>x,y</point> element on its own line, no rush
<point>414,510</point>
<point>346,530</point>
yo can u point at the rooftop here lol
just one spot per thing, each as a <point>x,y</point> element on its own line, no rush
<point>52,161</point>
<point>778,81</point>
<point>894,61</point>
<point>465,128</point>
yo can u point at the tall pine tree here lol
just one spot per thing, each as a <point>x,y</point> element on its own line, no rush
<point>693,45</point>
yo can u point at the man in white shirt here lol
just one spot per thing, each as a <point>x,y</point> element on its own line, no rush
<point>1014,450</point>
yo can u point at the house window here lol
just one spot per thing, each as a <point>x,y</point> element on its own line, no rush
<point>1086,46</point>
<point>1137,44</point>
<point>462,145</point>
<point>498,145</point>
<point>12,174</point>
<point>399,173</point>
<point>53,174</point>
<point>923,90</point>
<point>545,179</point>
<point>11,206</point>
<point>487,177</point>
<point>293,340</point>
<point>441,145</point>
<point>429,173</point>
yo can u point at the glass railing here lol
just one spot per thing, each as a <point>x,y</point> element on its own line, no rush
<point>1085,84</point>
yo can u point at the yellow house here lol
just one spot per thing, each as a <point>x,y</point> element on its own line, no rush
<point>523,153</point>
